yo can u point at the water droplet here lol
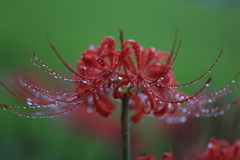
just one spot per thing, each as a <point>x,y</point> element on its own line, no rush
<point>84,80</point>
<point>184,110</point>
<point>182,119</point>
<point>120,78</point>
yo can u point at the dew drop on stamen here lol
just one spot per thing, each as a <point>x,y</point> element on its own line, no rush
<point>120,78</point>
<point>184,110</point>
<point>89,110</point>
<point>209,101</point>
<point>182,119</point>
<point>84,80</point>
<point>210,145</point>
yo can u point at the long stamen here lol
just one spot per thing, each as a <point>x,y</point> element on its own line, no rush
<point>122,58</point>
<point>56,52</point>
<point>180,101</point>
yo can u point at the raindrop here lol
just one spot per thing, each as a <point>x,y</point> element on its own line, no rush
<point>182,119</point>
<point>84,80</point>
<point>120,78</point>
<point>184,110</point>
<point>210,145</point>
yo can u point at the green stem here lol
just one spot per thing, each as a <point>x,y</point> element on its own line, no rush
<point>126,128</point>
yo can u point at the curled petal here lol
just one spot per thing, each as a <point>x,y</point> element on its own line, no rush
<point>104,111</point>
<point>115,92</point>
<point>137,117</point>
<point>160,112</point>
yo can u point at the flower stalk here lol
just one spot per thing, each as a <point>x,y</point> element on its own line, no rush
<point>125,119</point>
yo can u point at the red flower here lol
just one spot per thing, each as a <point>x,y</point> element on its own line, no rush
<point>149,157</point>
<point>155,87</point>
<point>165,156</point>
<point>216,150</point>
<point>93,80</point>
<point>102,70</point>
<point>221,150</point>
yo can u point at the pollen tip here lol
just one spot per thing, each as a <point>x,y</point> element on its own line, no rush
<point>121,34</point>
<point>221,53</point>
<point>120,30</point>
<point>22,79</point>
<point>209,79</point>
<point>34,53</point>
<point>4,107</point>
<point>48,39</point>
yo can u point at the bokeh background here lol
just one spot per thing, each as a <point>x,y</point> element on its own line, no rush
<point>206,27</point>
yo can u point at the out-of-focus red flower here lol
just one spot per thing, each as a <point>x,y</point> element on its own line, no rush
<point>216,150</point>
<point>221,150</point>
<point>165,156</point>
<point>149,157</point>
<point>108,131</point>
<point>144,74</point>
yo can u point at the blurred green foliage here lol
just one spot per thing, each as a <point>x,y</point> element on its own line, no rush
<point>205,27</point>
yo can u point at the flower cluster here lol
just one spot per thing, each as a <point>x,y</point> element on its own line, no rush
<point>216,150</point>
<point>221,150</point>
<point>165,156</point>
<point>145,75</point>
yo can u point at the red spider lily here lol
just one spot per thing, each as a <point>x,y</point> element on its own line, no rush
<point>221,150</point>
<point>107,130</point>
<point>165,156</point>
<point>149,157</point>
<point>216,150</point>
<point>94,78</point>
<point>149,82</point>
<point>156,88</point>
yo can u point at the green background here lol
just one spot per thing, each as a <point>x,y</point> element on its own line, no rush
<point>206,28</point>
